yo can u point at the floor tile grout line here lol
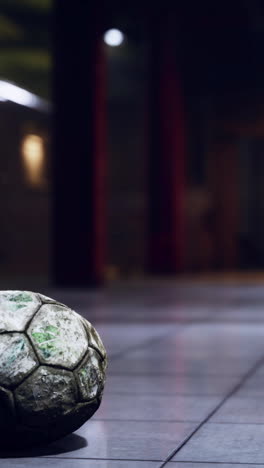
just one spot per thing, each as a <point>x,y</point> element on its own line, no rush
<point>249,374</point>
<point>229,423</point>
<point>216,463</point>
<point>241,397</point>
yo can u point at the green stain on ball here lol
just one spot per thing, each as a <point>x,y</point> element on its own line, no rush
<point>19,300</point>
<point>12,353</point>
<point>46,340</point>
<point>83,372</point>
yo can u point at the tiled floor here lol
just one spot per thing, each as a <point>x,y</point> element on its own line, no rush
<point>185,381</point>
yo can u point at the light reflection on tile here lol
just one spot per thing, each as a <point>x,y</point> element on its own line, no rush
<point>120,337</point>
<point>168,299</point>
<point>141,365</point>
<point>208,341</point>
<point>195,349</point>
<point>160,408</point>
<point>127,440</point>
<point>169,385</point>
<point>57,463</point>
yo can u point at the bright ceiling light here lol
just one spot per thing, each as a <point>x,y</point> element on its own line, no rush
<point>114,37</point>
<point>13,93</point>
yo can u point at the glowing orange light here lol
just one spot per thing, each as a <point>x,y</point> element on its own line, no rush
<point>33,157</point>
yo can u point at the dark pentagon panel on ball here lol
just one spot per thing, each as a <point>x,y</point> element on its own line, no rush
<point>52,369</point>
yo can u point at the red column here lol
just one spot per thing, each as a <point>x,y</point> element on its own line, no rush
<point>79,144</point>
<point>166,229</point>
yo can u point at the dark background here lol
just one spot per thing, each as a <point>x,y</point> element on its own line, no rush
<point>218,51</point>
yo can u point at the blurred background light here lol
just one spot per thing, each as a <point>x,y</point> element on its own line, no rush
<point>13,93</point>
<point>114,37</point>
<point>33,158</point>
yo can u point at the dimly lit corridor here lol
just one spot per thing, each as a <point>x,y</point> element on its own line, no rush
<point>131,190</point>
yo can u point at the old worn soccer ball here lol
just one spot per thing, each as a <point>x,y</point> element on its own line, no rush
<point>52,369</point>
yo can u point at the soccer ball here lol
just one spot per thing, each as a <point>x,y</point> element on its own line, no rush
<point>52,369</point>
